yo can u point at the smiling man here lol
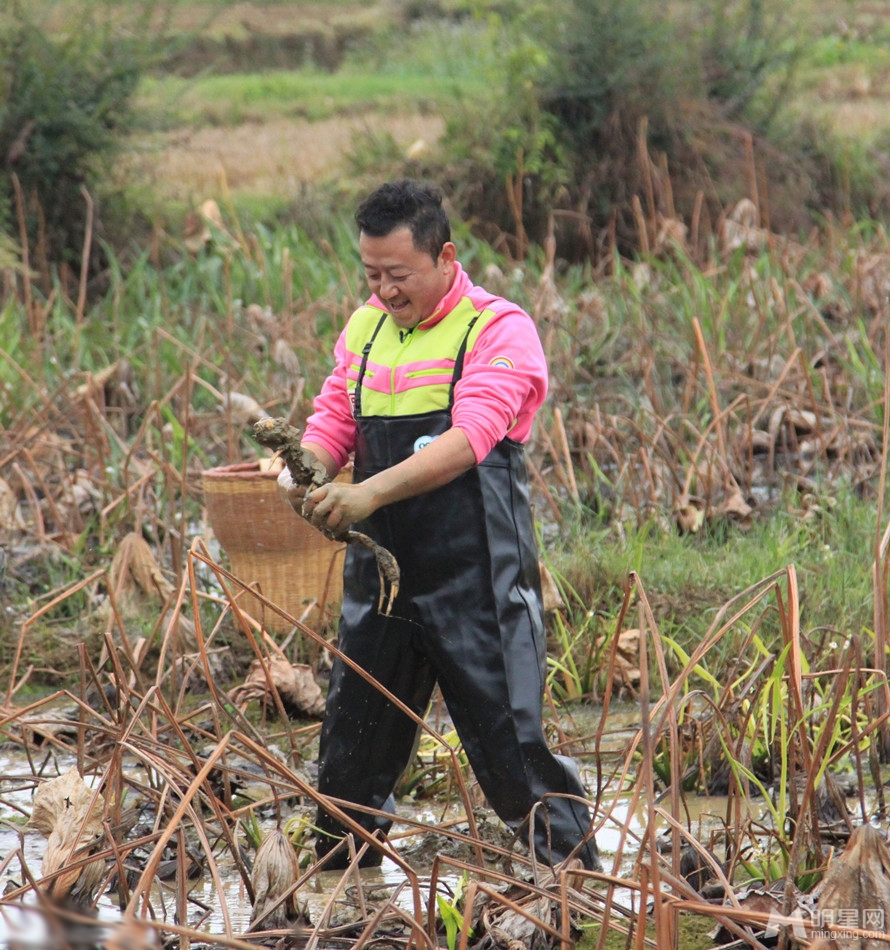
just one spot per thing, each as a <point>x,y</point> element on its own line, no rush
<point>435,388</point>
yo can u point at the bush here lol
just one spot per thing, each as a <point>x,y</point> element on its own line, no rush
<point>610,59</point>
<point>745,45</point>
<point>592,104</point>
<point>502,161</point>
<point>559,128</point>
<point>64,100</point>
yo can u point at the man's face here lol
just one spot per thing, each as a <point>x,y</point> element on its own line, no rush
<point>408,281</point>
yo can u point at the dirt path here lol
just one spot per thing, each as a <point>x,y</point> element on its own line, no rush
<point>271,158</point>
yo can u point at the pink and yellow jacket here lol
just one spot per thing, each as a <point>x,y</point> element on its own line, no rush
<point>503,384</point>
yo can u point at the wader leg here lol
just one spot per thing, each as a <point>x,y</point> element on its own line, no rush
<point>493,691</point>
<point>366,741</point>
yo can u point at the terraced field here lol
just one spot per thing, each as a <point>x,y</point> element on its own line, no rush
<point>262,139</point>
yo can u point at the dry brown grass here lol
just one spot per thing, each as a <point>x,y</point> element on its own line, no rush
<point>264,158</point>
<point>272,19</point>
<point>237,19</point>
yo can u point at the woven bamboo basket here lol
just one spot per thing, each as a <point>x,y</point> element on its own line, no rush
<point>271,546</point>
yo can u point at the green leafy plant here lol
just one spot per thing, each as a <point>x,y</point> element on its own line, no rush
<point>431,771</point>
<point>449,911</point>
<point>252,829</point>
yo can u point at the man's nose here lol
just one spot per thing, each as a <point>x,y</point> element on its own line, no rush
<point>387,289</point>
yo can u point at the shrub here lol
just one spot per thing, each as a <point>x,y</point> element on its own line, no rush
<point>503,162</point>
<point>745,45</point>
<point>608,59</point>
<point>64,99</point>
<point>592,104</point>
<point>561,126</point>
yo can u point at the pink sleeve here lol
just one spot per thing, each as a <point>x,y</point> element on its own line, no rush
<point>331,424</point>
<point>504,382</point>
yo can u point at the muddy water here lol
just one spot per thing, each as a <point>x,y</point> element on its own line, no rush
<point>230,911</point>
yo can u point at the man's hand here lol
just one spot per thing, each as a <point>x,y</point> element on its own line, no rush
<point>331,507</point>
<point>290,491</point>
<point>337,505</point>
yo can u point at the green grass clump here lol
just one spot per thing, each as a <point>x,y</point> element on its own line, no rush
<point>370,79</point>
<point>260,97</point>
<point>688,577</point>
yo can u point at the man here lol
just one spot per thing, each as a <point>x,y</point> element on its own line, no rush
<point>435,388</point>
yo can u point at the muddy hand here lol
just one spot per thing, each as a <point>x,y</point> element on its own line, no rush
<point>332,509</point>
<point>335,507</point>
<point>304,473</point>
<point>290,491</point>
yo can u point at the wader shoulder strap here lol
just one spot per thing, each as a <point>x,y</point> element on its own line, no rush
<point>366,349</point>
<point>459,361</point>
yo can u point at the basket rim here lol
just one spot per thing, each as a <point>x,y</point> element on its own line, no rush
<point>239,470</point>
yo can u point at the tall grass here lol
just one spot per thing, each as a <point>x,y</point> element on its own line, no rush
<point>707,472</point>
<point>762,736</point>
<point>707,421</point>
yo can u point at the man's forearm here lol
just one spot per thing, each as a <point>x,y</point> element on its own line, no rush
<point>438,463</point>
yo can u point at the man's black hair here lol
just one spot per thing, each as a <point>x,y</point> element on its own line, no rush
<point>406,203</point>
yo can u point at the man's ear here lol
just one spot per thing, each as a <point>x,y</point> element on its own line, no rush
<point>448,255</point>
